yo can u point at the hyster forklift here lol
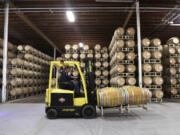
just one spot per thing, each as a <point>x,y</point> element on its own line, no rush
<point>64,102</point>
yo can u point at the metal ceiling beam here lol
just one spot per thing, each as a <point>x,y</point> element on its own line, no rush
<point>35,28</point>
<point>129,15</point>
<point>88,9</point>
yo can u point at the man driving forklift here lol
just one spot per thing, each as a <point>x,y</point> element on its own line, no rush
<point>65,81</point>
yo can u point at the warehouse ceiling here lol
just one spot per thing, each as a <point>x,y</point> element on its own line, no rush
<point>92,26</point>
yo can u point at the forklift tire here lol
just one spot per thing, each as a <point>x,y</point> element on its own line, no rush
<point>52,113</point>
<point>88,111</point>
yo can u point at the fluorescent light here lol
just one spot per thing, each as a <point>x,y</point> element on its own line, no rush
<point>81,44</point>
<point>70,16</point>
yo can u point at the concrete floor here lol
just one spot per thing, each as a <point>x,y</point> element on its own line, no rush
<point>29,119</point>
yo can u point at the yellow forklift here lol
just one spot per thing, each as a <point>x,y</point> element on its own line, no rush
<point>64,102</point>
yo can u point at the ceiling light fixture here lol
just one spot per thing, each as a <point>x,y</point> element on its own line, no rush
<point>70,16</point>
<point>81,44</point>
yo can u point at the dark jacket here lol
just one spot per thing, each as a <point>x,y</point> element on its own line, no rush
<point>64,77</point>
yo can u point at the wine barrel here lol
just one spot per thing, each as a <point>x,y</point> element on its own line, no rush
<point>17,61</point>
<point>82,64</point>
<point>75,47</point>
<point>131,56</point>
<point>119,43</point>
<point>130,31</point>
<point>20,48</point>
<point>97,47</point>
<point>156,42</point>
<point>9,45</point>
<point>89,55</point>
<point>97,56</point>
<point>59,58</point>
<point>16,91</point>
<point>147,67</point>
<point>170,61</point>
<point>169,50</point>
<point>98,64</point>
<point>67,47</point>
<point>117,69</point>
<point>105,64</point>
<point>172,91</point>
<point>157,67</point>
<point>116,57</point>
<point>119,32</point>
<point>157,55</point>
<point>75,55</point>
<point>173,81</point>
<point>160,48</point>
<point>127,95</point>
<point>86,47</point>
<point>105,49</point>
<point>105,55</point>
<point>131,68</point>
<point>105,81</point>
<point>130,43</point>
<point>147,80</point>
<point>158,80</point>
<point>146,42</point>
<point>16,81</point>
<point>97,81</point>
<point>82,56</point>
<point>173,40</point>
<point>178,70</point>
<point>178,60</point>
<point>157,93</point>
<point>173,71</point>
<point>117,81</point>
<point>98,72</point>
<point>105,73</point>
<point>178,50</point>
<point>9,54</point>
<point>131,81</point>
<point>146,55</point>
<point>16,71</point>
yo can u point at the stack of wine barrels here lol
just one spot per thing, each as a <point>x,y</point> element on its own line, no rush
<point>85,52</point>
<point>12,53</point>
<point>28,73</point>
<point>101,66</point>
<point>152,66</point>
<point>172,67</point>
<point>122,57</point>
<point>76,53</point>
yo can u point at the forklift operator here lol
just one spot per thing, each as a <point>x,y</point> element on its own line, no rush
<point>65,79</point>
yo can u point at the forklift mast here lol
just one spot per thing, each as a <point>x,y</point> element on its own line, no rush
<point>90,81</point>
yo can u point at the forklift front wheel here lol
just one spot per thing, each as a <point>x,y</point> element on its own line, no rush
<point>52,113</point>
<point>88,111</point>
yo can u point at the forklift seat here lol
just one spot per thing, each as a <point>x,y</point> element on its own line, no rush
<point>66,85</point>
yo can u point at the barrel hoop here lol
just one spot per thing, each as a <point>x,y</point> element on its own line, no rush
<point>149,95</point>
<point>133,95</point>
<point>107,97</point>
<point>126,95</point>
<point>142,95</point>
<point>117,96</point>
<point>100,99</point>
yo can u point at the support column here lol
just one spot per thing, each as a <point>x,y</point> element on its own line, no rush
<point>139,43</point>
<point>54,54</point>
<point>5,50</point>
